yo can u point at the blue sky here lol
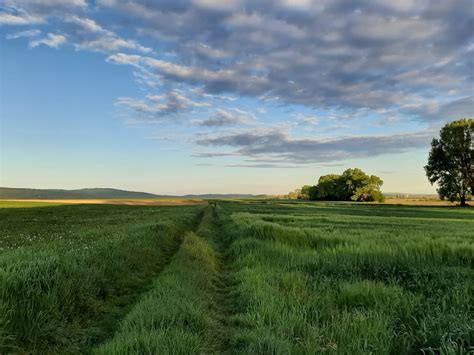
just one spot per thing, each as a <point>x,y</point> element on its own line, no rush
<point>196,96</point>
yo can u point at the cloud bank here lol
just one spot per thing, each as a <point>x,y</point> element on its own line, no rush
<point>275,145</point>
<point>404,61</point>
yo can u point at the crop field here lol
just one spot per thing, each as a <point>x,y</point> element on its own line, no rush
<point>252,277</point>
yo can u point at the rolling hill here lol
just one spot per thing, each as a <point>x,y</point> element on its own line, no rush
<point>22,193</point>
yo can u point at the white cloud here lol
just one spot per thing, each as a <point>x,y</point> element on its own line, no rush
<point>136,105</point>
<point>51,40</point>
<point>101,39</point>
<point>86,23</point>
<point>28,12</point>
<point>125,59</point>
<point>19,19</point>
<point>22,34</point>
<point>157,107</point>
<point>298,4</point>
<point>223,117</point>
<point>47,3</point>
<point>303,118</point>
<point>218,5</point>
<point>111,44</point>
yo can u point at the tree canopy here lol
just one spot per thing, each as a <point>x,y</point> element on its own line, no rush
<point>451,161</point>
<point>304,192</point>
<point>352,185</point>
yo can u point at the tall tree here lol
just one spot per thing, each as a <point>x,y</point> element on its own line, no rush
<point>451,161</point>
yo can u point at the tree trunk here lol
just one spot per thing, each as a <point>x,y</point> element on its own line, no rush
<point>463,200</point>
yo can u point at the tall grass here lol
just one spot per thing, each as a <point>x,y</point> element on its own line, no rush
<point>177,316</point>
<point>63,297</point>
<point>318,280</point>
<point>253,278</point>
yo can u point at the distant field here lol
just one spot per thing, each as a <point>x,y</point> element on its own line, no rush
<point>117,201</point>
<point>418,200</point>
<point>428,200</point>
<point>253,277</point>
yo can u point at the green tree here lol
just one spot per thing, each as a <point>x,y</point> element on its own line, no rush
<point>353,185</point>
<point>304,193</point>
<point>331,188</point>
<point>362,187</point>
<point>451,161</point>
<point>313,192</point>
<point>370,191</point>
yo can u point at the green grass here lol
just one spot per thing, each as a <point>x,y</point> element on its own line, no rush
<point>377,280</point>
<point>68,273</point>
<point>237,277</point>
<point>177,315</point>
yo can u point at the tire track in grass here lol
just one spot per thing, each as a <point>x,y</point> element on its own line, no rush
<point>227,298</point>
<point>178,315</point>
<point>213,229</point>
<point>110,324</point>
<point>190,307</point>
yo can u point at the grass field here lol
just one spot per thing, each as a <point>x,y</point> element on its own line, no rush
<point>237,277</point>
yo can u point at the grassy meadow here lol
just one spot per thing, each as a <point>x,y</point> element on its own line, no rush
<point>253,277</point>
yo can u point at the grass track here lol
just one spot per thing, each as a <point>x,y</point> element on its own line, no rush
<point>189,307</point>
<point>179,314</point>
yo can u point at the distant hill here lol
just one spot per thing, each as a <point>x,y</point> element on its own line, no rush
<point>104,193</point>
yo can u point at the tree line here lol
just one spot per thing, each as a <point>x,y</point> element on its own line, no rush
<point>351,185</point>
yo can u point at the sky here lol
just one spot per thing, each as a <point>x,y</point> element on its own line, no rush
<point>236,96</point>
